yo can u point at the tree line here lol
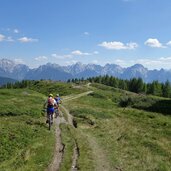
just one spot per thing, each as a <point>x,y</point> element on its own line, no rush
<point>20,84</point>
<point>136,85</point>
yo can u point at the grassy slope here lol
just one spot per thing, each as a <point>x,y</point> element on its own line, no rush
<point>131,139</point>
<point>46,87</point>
<point>107,136</point>
<point>25,142</point>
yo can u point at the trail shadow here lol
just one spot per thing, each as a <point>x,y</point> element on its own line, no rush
<point>160,106</point>
<point>38,123</point>
<point>9,114</point>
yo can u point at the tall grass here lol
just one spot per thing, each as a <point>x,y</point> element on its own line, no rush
<point>25,142</point>
<point>133,139</point>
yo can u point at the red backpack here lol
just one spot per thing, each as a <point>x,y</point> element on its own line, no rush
<point>50,102</point>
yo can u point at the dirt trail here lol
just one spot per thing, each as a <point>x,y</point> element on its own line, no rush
<point>71,97</point>
<point>75,150</point>
<point>59,147</point>
<point>101,163</point>
<point>70,121</point>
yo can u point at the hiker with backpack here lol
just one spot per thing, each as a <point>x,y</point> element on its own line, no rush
<point>50,103</point>
<point>58,101</point>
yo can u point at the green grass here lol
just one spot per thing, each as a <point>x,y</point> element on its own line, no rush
<point>109,137</point>
<point>128,99</point>
<point>132,139</point>
<point>70,137</point>
<point>20,102</point>
<point>25,142</point>
<point>46,87</point>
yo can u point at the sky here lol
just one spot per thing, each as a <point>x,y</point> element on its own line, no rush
<point>123,32</point>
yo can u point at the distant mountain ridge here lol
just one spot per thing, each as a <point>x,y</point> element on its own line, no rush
<point>10,69</point>
<point>4,80</point>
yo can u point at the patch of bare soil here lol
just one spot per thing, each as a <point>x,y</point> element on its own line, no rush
<point>59,148</point>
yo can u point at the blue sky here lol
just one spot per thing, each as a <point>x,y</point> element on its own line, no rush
<point>124,32</point>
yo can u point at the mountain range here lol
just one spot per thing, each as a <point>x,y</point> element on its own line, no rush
<point>10,69</point>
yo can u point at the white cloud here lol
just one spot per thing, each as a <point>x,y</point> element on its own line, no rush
<point>95,61</point>
<point>72,54</point>
<point>79,53</point>
<point>168,59</point>
<point>19,61</point>
<point>158,63</point>
<point>41,58</point>
<point>169,43</point>
<point>16,31</point>
<point>163,62</point>
<point>26,40</point>
<point>70,62</point>
<point>2,37</point>
<point>154,43</point>
<point>61,56</point>
<point>118,45</point>
<point>120,62</point>
<point>86,33</point>
<point>95,52</point>
<point>10,39</point>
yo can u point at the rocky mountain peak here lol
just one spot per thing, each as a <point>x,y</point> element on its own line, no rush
<point>54,71</point>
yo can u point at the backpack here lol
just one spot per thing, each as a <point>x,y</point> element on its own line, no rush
<point>57,100</point>
<point>50,102</point>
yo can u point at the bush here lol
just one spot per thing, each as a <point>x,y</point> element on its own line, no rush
<point>125,101</point>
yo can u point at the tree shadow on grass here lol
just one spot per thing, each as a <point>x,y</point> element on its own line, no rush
<point>160,106</point>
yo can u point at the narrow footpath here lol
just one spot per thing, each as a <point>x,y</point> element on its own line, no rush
<point>100,158</point>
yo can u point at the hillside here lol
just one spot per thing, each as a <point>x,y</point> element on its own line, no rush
<point>96,132</point>
<point>22,132</point>
<point>127,138</point>
<point>4,80</point>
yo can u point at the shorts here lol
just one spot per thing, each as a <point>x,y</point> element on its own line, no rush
<point>50,110</point>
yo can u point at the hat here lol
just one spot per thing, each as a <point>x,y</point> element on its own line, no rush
<point>50,95</point>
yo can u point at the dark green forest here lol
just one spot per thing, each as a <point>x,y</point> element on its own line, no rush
<point>136,85</point>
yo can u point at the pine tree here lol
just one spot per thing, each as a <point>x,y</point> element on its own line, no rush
<point>166,89</point>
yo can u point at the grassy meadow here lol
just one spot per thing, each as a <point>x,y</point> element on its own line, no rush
<point>115,130</point>
<point>25,142</point>
<point>128,139</point>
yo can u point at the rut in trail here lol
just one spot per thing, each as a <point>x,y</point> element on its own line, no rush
<point>59,148</point>
<point>76,148</point>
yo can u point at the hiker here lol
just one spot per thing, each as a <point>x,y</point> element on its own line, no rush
<point>50,103</point>
<point>58,101</point>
